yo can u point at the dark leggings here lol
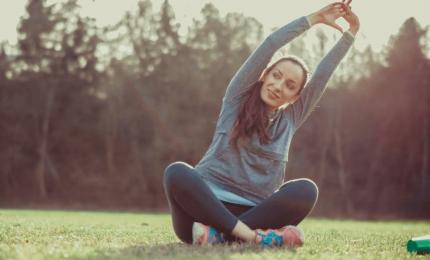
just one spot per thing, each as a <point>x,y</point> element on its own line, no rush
<point>191,200</point>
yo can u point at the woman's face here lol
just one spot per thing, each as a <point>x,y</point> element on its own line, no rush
<point>281,84</point>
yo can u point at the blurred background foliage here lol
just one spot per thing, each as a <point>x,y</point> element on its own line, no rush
<point>90,116</point>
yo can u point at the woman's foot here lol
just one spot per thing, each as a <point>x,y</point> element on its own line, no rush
<point>206,235</point>
<point>289,236</point>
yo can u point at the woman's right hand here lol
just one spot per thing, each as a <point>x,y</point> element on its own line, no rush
<point>351,17</point>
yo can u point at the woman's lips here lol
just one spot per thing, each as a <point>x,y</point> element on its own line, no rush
<point>272,95</point>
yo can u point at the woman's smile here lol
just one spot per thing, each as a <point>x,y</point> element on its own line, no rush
<point>272,94</point>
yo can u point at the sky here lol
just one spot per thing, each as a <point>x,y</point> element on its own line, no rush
<point>379,18</point>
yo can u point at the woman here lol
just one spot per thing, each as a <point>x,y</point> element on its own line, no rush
<point>234,193</point>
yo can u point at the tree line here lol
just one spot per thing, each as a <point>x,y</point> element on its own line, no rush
<point>90,116</point>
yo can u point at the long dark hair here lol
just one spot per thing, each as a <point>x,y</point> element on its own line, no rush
<point>252,117</point>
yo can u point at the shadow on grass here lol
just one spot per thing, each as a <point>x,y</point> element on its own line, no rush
<point>183,251</point>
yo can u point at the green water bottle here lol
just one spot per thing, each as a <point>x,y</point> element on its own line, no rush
<point>420,245</point>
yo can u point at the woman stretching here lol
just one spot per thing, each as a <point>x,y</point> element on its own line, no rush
<point>235,192</point>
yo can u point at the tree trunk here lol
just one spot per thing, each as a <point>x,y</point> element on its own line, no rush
<point>325,149</point>
<point>110,136</point>
<point>341,172</point>
<point>425,174</point>
<point>41,167</point>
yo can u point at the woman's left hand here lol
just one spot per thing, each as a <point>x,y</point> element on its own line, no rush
<point>329,14</point>
<point>351,18</point>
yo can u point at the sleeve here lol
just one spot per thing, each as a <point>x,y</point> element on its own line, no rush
<point>252,68</point>
<point>315,87</point>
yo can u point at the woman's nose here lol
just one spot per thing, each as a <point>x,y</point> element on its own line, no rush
<point>278,86</point>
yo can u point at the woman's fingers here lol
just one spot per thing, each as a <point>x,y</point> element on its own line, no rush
<point>330,13</point>
<point>348,10</point>
<point>351,17</point>
<point>346,2</point>
<point>341,9</point>
<point>338,5</point>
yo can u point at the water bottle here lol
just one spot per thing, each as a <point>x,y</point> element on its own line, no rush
<point>420,245</point>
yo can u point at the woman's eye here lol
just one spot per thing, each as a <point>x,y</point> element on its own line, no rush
<point>276,75</point>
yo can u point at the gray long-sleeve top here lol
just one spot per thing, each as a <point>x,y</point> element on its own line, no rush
<point>256,170</point>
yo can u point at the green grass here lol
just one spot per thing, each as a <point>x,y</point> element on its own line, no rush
<point>33,234</point>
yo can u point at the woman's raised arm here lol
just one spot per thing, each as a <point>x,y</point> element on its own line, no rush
<point>252,68</point>
<point>317,84</point>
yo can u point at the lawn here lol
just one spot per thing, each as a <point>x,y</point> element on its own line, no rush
<point>38,234</point>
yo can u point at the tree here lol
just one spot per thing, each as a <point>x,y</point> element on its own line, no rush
<point>57,62</point>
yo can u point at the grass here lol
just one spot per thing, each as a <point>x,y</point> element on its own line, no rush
<point>34,234</point>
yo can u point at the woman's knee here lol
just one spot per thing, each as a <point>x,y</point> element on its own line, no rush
<point>176,172</point>
<point>312,188</point>
<point>172,170</point>
<point>307,189</point>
